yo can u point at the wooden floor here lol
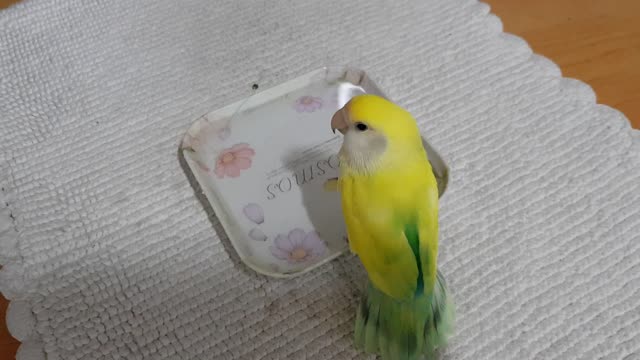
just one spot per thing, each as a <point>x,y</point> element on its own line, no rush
<point>8,345</point>
<point>595,41</point>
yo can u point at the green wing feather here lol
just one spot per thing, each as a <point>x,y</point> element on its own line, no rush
<point>412,234</point>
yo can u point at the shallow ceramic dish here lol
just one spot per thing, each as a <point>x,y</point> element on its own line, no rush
<point>262,163</point>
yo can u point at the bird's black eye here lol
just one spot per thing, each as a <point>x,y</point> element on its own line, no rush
<point>362,127</point>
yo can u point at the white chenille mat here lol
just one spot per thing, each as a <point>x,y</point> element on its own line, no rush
<point>108,252</point>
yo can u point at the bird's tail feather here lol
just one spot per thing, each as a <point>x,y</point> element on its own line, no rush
<point>405,329</point>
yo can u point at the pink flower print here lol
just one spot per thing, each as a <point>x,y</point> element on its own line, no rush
<point>234,159</point>
<point>298,246</point>
<point>308,104</point>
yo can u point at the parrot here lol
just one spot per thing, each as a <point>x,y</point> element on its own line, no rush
<point>389,199</point>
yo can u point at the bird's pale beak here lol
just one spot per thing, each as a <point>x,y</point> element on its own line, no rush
<point>339,121</point>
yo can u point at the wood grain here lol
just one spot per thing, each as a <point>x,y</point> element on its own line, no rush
<point>7,3</point>
<point>595,41</point>
<point>8,345</point>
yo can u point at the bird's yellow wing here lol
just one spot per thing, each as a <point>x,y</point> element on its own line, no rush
<point>377,235</point>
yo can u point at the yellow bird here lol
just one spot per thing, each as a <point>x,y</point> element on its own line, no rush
<point>390,204</point>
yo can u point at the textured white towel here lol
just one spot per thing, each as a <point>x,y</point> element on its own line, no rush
<point>109,254</point>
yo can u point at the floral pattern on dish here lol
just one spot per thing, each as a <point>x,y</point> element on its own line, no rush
<point>308,104</point>
<point>233,160</point>
<point>298,246</point>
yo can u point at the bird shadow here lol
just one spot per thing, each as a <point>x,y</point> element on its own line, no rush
<point>323,207</point>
